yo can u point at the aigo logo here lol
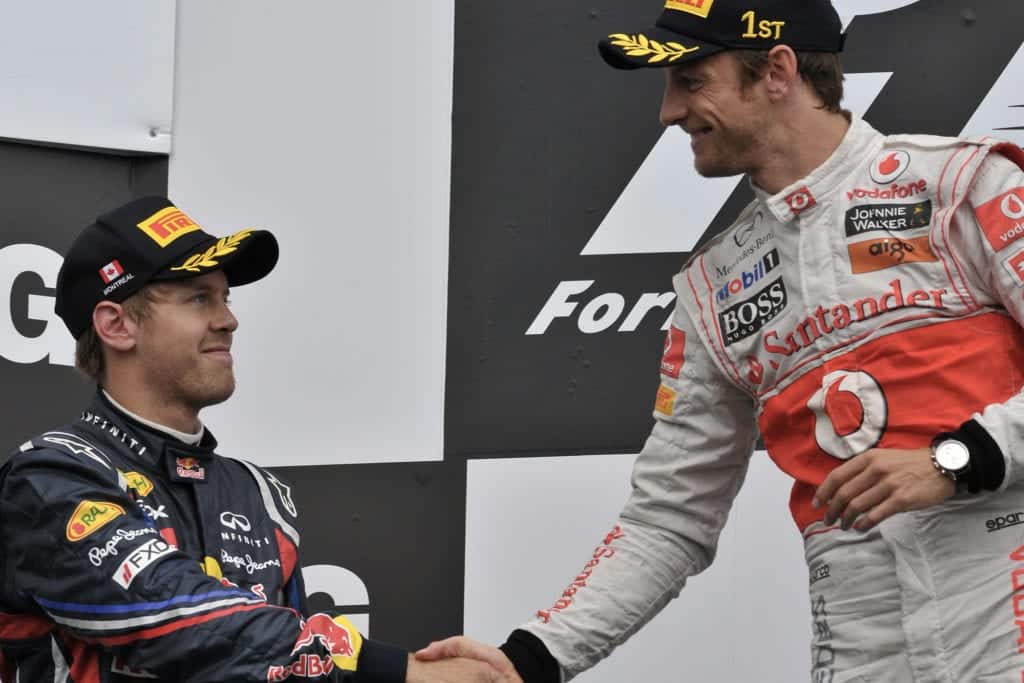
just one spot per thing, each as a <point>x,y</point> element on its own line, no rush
<point>890,166</point>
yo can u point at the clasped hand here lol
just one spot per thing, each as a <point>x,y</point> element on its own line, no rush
<point>461,660</point>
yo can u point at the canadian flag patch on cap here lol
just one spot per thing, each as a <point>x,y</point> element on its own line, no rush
<point>111,271</point>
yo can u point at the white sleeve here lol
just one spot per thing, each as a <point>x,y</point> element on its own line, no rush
<point>683,486</point>
<point>989,237</point>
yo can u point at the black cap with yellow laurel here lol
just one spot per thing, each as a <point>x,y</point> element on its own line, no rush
<point>147,240</point>
<point>693,29</point>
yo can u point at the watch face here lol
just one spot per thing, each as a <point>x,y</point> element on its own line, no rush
<point>952,455</point>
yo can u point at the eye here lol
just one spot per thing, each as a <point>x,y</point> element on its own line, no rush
<point>200,298</point>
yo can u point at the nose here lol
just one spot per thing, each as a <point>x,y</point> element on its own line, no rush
<point>674,103</point>
<point>225,319</point>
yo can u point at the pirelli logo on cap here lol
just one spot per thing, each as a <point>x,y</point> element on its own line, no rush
<point>699,7</point>
<point>167,225</point>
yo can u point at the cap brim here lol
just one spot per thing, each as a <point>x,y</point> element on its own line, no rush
<point>653,48</point>
<point>245,257</point>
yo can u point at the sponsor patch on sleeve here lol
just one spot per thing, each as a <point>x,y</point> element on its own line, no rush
<point>665,401</point>
<point>1015,267</point>
<point>91,516</point>
<point>672,357</point>
<point>337,635</point>
<point>140,558</point>
<point>1002,218</point>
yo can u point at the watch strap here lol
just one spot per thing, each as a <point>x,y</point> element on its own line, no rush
<point>987,467</point>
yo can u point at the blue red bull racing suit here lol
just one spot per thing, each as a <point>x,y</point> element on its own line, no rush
<point>130,555</point>
<point>876,303</point>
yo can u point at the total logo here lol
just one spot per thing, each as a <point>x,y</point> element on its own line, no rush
<point>28,275</point>
<point>749,278</point>
<point>889,167</point>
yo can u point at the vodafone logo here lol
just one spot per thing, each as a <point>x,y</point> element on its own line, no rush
<point>850,413</point>
<point>800,201</point>
<point>1012,207</point>
<point>889,167</point>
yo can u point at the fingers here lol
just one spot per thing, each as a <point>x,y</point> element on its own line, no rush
<point>835,480</point>
<point>461,646</point>
<point>439,649</point>
<point>865,490</point>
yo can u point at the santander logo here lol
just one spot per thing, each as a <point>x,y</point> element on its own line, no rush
<point>890,167</point>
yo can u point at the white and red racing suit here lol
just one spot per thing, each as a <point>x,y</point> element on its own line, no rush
<point>873,304</point>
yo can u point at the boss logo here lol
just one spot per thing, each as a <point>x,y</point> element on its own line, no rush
<point>748,317</point>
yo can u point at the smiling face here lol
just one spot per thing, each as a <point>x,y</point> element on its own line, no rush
<point>183,344</point>
<point>725,120</point>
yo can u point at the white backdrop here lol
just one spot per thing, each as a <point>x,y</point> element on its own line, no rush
<point>306,118</point>
<point>95,74</point>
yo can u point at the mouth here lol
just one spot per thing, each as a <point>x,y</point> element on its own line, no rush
<point>698,134</point>
<point>220,353</point>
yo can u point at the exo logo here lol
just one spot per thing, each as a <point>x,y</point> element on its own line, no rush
<point>850,413</point>
<point>890,167</point>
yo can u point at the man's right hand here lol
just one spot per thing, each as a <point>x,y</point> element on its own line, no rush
<point>461,646</point>
<point>454,670</point>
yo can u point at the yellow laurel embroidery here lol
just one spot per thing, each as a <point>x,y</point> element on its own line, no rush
<point>641,46</point>
<point>208,259</point>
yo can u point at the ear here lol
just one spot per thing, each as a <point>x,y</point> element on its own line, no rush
<point>781,75</point>
<point>113,326</point>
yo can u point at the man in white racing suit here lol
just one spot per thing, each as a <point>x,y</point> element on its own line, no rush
<point>865,314</point>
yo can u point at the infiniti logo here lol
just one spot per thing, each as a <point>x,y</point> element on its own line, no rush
<point>235,521</point>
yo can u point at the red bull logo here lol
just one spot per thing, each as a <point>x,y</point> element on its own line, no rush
<point>337,636</point>
<point>332,635</point>
<point>189,468</point>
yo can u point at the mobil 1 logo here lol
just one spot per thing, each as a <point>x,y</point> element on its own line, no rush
<point>747,317</point>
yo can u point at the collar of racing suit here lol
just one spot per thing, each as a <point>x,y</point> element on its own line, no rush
<point>860,143</point>
<point>185,437</point>
<point>183,462</point>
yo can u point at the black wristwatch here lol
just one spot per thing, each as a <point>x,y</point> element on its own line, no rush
<point>951,457</point>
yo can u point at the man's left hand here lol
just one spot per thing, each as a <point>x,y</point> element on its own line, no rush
<point>879,483</point>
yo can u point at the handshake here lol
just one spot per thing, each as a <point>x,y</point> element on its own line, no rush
<point>460,660</point>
